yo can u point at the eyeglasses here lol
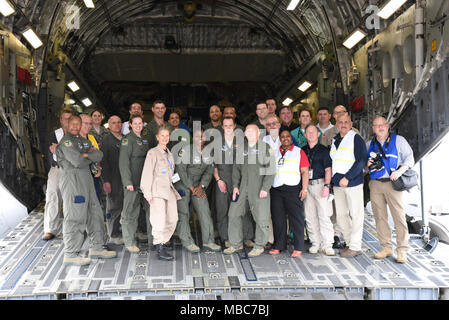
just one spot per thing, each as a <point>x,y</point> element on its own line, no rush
<point>272,124</point>
<point>88,123</point>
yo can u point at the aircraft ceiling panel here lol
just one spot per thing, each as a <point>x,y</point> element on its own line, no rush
<point>186,68</point>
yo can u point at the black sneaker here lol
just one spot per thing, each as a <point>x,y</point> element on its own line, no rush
<point>338,244</point>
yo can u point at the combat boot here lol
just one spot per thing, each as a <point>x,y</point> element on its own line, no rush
<point>77,261</point>
<point>193,248</point>
<point>133,249</point>
<point>401,257</point>
<point>117,241</point>
<point>232,250</point>
<point>249,243</point>
<point>212,246</point>
<point>104,254</point>
<point>255,252</point>
<point>383,254</point>
<point>163,253</point>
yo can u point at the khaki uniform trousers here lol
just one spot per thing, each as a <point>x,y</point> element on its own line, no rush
<point>338,231</point>
<point>53,201</point>
<point>381,194</point>
<point>350,214</point>
<point>318,212</point>
<point>163,218</point>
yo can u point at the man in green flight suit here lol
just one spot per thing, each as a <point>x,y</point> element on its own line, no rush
<point>158,110</point>
<point>252,181</point>
<point>195,172</point>
<point>82,211</point>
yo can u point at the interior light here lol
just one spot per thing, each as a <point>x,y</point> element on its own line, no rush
<point>305,86</point>
<point>89,3</point>
<point>32,38</point>
<point>390,7</point>
<point>6,8</point>
<point>73,86</point>
<point>354,38</point>
<point>86,102</point>
<point>287,102</point>
<point>292,5</point>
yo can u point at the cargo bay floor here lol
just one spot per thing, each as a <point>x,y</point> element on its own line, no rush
<point>31,268</point>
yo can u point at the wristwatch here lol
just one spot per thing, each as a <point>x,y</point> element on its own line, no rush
<point>327,185</point>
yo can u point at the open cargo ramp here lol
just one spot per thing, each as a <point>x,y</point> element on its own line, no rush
<point>31,268</point>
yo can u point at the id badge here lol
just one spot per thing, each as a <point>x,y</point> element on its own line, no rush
<point>310,174</point>
<point>175,178</point>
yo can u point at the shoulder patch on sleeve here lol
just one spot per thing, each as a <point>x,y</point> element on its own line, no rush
<point>149,154</point>
<point>124,142</point>
<point>68,143</point>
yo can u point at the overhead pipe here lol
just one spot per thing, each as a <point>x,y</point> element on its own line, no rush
<point>419,39</point>
<point>420,62</point>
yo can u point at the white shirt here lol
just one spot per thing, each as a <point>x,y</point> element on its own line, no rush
<point>274,144</point>
<point>229,143</point>
<point>59,133</point>
<point>324,130</point>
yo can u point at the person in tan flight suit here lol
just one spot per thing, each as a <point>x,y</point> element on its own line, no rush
<point>157,187</point>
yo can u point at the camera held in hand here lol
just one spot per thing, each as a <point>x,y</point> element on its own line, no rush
<point>376,157</point>
<point>94,168</point>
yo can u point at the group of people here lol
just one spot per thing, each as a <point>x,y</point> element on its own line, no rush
<point>257,185</point>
